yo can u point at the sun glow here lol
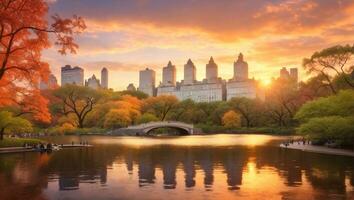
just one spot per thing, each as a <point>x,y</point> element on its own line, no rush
<point>266,82</point>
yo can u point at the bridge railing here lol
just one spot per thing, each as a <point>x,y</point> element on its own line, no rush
<point>162,123</point>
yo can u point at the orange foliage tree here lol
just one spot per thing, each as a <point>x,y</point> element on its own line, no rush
<point>24,33</point>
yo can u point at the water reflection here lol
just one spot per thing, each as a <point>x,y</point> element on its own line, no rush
<point>154,171</point>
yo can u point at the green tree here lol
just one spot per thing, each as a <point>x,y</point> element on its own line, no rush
<point>12,124</point>
<point>160,106</point>
<point>77,100</point>
<point>146,118</point>
<point>335,60</point>
<point>335,105</point>
<point>248,108</point>
<point>329,118</point>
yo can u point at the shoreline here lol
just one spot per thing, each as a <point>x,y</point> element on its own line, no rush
<point>319,149</point>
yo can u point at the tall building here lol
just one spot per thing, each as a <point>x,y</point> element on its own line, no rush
<point>51,84</point>
<point>104,78</point>
<point>211,71</point>
<point>208,90</point>
<point>72,75</point>
<point>240,85</point>
<point>147,81</point>
<point>240,69</point>
<point>245,88</point>
<point>294,74</point>
<point>189,73</point>
<point>93,82</point>
<point>284,73</point>
<point>169,75</point>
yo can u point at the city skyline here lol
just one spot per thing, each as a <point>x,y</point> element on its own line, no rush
<point>133,35</point>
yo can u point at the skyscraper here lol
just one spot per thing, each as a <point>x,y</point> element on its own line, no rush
<point>93,82</point>
<point>294,74</point>
<point>147,81</point>
<point>211,71</point>
<point>169,75</point>
<point>189,73</point>
<point>51,84</point>
<point>284,73</point>
<point>72,75</point>
<point>240,69</point>
<point>104,78</point>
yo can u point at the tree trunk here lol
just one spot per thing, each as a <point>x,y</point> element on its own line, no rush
<point>81,123</point>
<point>2,133</point>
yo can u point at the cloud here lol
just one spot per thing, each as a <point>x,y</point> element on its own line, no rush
<point>127,36</point>
<point>223,19</point>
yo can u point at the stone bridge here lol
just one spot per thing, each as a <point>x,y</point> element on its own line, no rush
<point>144,129</point>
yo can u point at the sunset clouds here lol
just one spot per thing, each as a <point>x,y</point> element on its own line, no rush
<point>128,35</point>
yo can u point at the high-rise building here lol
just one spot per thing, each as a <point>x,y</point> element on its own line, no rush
<point>104,78</point>
<point>72,75</point>
<point>284,73</point>
<point>240,85</point>
<point>169,75</point>
<point>294,74</point>
<point>51,84</point>
<point>93,82</point>
<point>240,69</point>
<point>147,81</point>
<point>189,73</point>
<point>211,71</point>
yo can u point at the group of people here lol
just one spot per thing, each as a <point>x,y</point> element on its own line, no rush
<point>86,143</point>
<point>302,141</point>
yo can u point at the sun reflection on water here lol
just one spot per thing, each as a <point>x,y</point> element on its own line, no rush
<point>210,140</point>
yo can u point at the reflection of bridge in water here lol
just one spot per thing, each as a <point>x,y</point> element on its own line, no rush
<point>145,129</point>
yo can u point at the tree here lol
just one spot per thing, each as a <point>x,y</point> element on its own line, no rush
<point>11,124</point>
<point>117,118</point>
<point>146,118</point>
<point>246,107</point>
<point>23,35</point>
<point>138,94</point>
<point>160,106</point>
<point>231,119</point>
<point>77,100</point>
<point>331,60</point>
<point>329,118</point>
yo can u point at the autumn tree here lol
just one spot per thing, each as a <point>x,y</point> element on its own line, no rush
<point>246,107</point>
<point>160,106</point>
<point>231,119</point>
<point>77,100</point>
<point>335,60</point>
<point>12,124</point>
<point>24,33</point>
<point>117,118</point>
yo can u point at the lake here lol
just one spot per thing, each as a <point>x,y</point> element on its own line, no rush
<point>189,167</point>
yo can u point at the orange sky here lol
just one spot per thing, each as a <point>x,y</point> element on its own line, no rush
<point>126,36</point>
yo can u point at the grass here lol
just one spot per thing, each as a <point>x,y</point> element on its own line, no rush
<point>18,142</point>
<point>259,130</point>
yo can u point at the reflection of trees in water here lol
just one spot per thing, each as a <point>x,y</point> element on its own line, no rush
<point>325,173</point>
<point>75,166</point>
<point>21,174</point>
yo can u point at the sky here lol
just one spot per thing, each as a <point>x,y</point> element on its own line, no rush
<point>126,36</point>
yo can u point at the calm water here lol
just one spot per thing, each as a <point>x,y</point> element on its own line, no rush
<point>191,167</point>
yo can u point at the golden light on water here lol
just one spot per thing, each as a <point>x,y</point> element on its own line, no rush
<point>211,140</point>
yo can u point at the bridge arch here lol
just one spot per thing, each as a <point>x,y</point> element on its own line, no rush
<point>143,129</point>
<point>182,130</point>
